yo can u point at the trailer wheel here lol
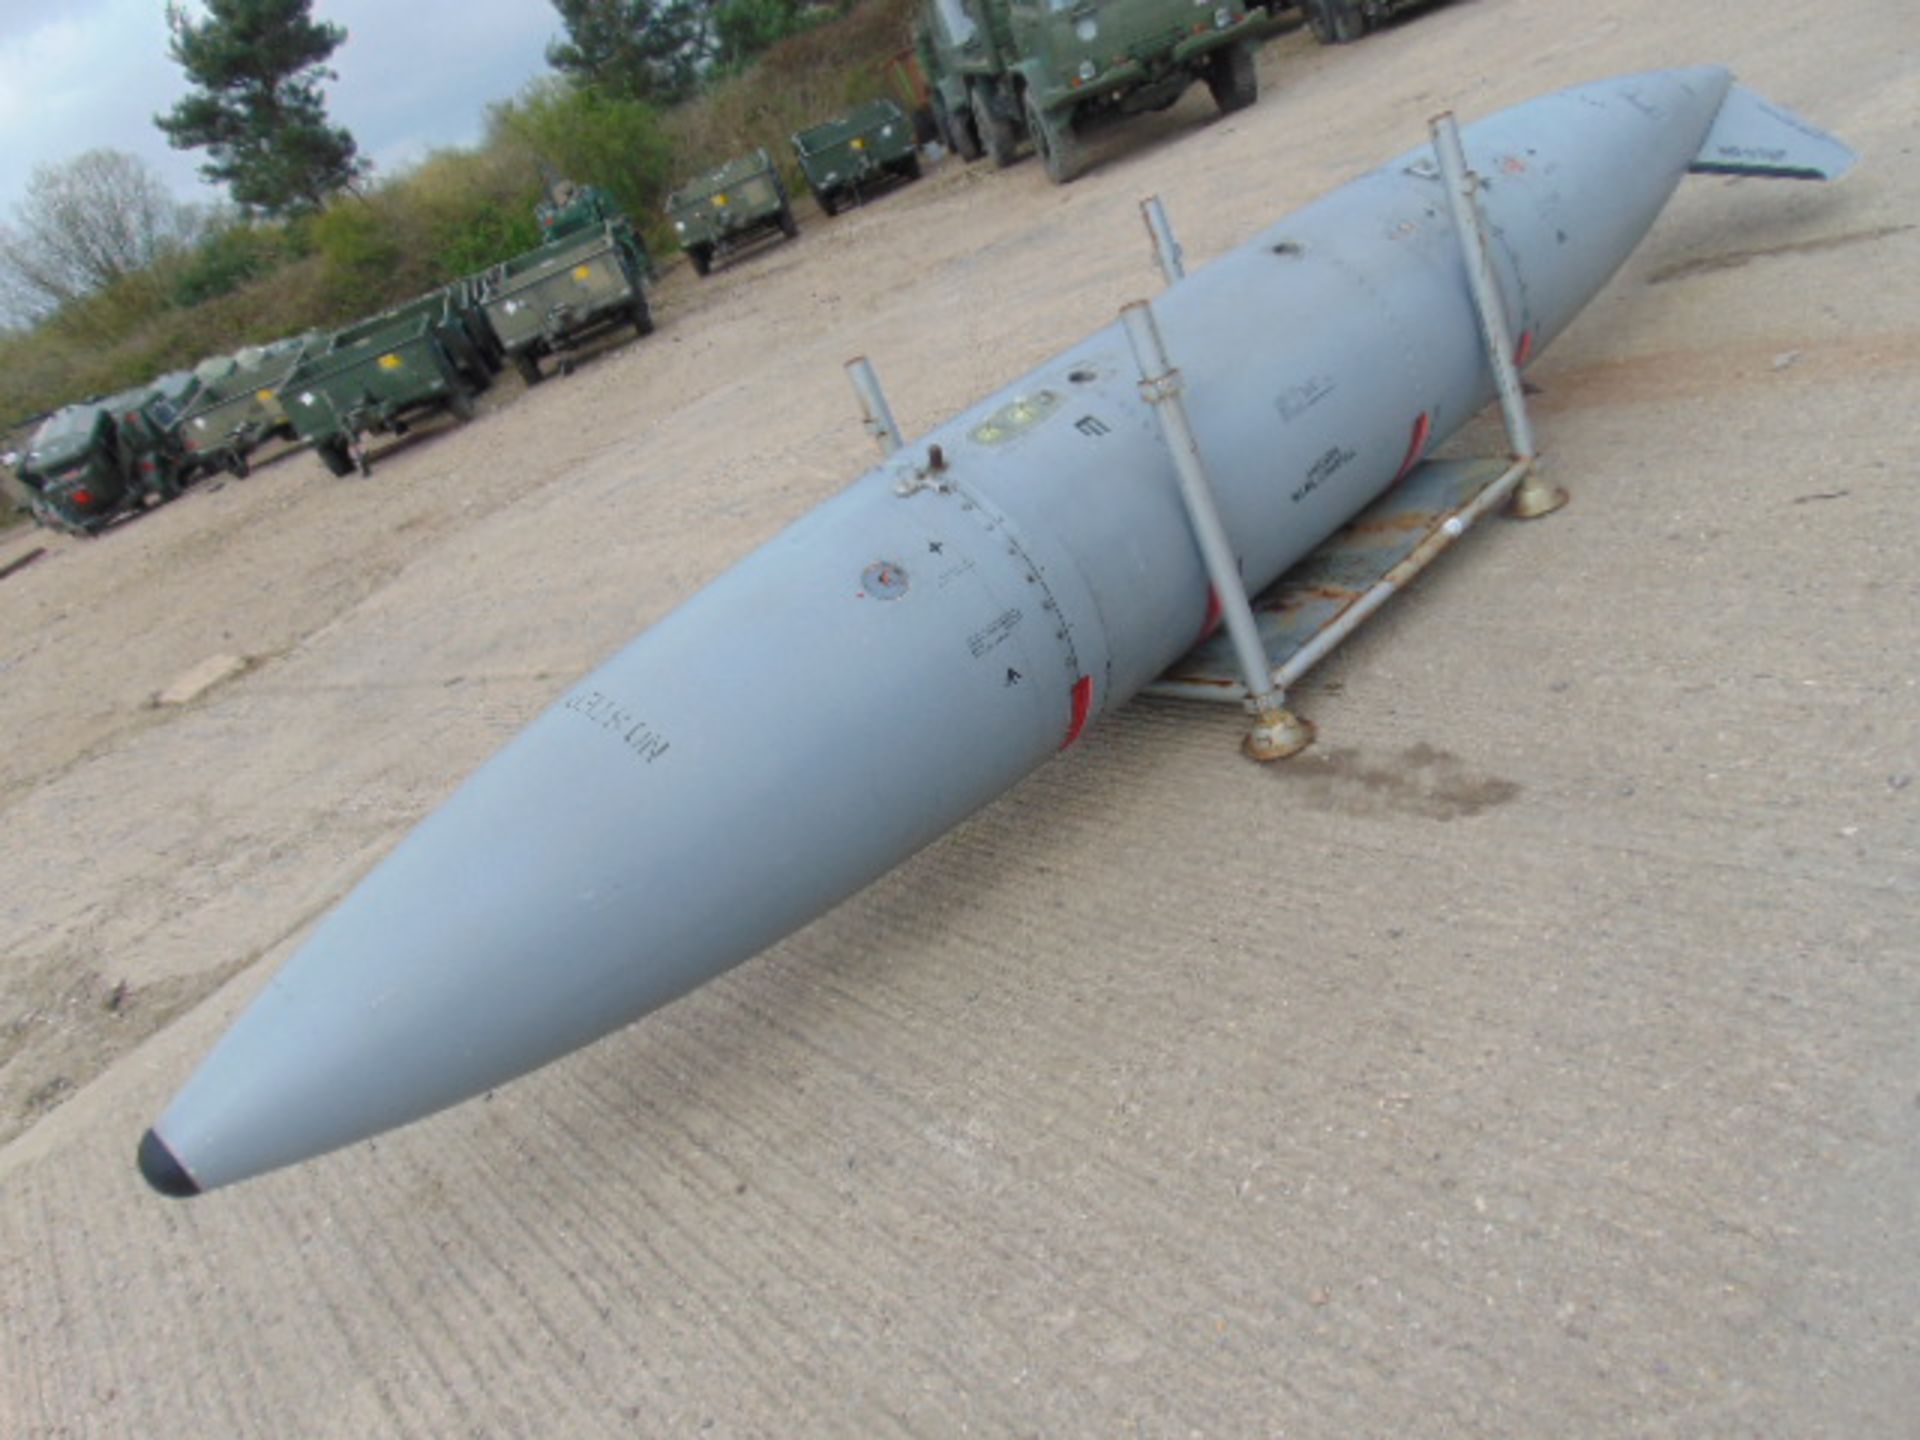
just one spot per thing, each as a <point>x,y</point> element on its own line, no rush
<point>333,454</point>
<point>1336,22</point>
<point>966,136</point>
<point>1055,142</point>
<point>943,123</point>
<point>702,259</point>
<point>1232,78</point>
<point>460,402</point>
<point>996,130</point>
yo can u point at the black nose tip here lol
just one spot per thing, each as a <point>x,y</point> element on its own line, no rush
<point>163,1172</point>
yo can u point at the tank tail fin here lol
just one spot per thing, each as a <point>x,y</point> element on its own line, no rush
<point>1753,136</point>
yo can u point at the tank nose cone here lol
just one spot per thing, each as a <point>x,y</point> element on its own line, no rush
<point>163,1172</point>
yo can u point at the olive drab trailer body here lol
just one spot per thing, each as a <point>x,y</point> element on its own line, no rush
<point>1047,71</point>
<point>729,208</point>
<point>239,407</point>
<point>853,154</point>
<point>379,375</point>
<point>551,299</point>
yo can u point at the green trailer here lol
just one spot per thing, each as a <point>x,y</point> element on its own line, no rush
<point>870,146</point>
<point>724,211</point>
<point>552,299</point>
<point>380,375</point>
<point>238,408</point>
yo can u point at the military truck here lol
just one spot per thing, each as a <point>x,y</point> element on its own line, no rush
<point>867,147</point>
<point>72,469</point>
<point>154,460</point>
<point>551,299</point>
<point>238,408</point>
<point>570,208</point>
<point>1048,71</point>
<point>378,376</point>
<point>724,211</point>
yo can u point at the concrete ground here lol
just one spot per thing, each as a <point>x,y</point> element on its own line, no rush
<point>1540,1055</point>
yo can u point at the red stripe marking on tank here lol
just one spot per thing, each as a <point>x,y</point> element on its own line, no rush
<point>1082,705</point>
<point>1214,613</point>
<point>1422,428</point>
<point>1523,351</point>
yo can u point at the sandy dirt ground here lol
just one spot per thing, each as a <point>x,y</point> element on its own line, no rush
<point>1540,1055</point>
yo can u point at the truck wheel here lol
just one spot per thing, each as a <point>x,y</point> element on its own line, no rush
<point>790,227</point>
<point>528,367</point>
<point>642,318</point>
<point>910,167</point>
<point>333,454</point>
<point>702,259</point>
<point>460,402</point>
<point>996,130</point>
<point>1055,142</point>
<point>943,124</point>
<point>966,135</point>
<point>1232,78</point>
<point>1336,22</point>
<point>238,465</point>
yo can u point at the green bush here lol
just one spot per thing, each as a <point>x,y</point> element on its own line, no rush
<point>226,260</point>
<point>565,131</point>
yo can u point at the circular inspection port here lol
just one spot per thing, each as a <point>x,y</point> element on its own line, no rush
<point>884,580</point>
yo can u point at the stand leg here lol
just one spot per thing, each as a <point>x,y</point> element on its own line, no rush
<point>1535,496</point>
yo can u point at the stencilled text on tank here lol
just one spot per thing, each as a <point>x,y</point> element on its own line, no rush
<point>1324,469</point>
<point>988,637</point>
<point>1296,400</point>
<point>628,728</point>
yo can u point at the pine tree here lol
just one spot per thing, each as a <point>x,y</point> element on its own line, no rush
<point>256,108</point>
<point>650,50</point>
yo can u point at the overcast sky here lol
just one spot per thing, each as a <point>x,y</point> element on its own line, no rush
<point>414,74</point>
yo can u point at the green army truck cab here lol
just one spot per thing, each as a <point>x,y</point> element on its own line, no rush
<point>378,376</point>
<point>1047,71</point>
<point>552,299</point>
<point>869,146</point>
<point>156,463</point>
<point>571,208</point>
<point>72,469</point>
<point>731,207</point>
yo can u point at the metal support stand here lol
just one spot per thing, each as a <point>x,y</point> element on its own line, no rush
<point>874,412</point>
<point>1533,496</point>
<point>1276,732</point>
<point>1172,262</point>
